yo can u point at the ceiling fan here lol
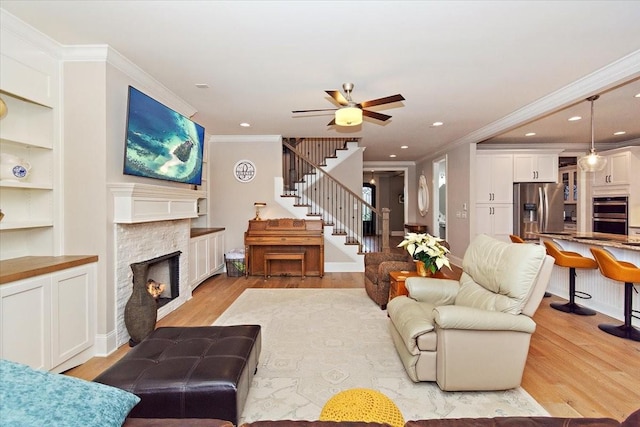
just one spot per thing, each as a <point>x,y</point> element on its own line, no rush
<point>350,113</point>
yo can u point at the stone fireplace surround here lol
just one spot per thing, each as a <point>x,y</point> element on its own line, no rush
<point>150,221</point>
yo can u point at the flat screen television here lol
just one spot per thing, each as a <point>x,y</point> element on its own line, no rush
<point>161,143</point>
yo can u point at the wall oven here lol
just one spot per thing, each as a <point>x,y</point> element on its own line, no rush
<point>610,215</point>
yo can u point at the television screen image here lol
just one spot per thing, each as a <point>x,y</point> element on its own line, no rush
<point>162,143</point>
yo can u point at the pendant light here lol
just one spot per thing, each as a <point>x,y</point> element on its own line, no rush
<point>592,162</point>
<point>372,181</point>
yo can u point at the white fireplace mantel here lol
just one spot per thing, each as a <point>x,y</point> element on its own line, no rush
<point>136,203</point>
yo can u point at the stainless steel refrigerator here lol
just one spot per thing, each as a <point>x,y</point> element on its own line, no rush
<point>537,208</point>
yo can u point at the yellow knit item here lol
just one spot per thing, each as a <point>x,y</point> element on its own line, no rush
<point>361,404</point>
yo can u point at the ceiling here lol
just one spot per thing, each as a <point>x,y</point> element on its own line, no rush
<point>467,64</point>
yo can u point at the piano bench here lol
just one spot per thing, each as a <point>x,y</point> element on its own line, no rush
<point>270,256</point>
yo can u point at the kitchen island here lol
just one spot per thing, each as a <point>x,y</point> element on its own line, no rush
<point>607,295</point>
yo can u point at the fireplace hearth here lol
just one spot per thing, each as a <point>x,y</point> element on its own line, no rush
<point>162,277</point>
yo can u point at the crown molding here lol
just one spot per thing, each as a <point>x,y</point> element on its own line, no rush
<point>94,53</point>
<point>244,138</point>
<point>29,34</point>
<point>614,74</point>
<point>104,53</point>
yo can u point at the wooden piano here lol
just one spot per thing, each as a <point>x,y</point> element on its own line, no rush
<point>281,236</point>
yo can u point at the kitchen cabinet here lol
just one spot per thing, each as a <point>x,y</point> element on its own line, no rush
<point>616,171</point>
<point>568,176</point>
<point>494,192</point>
<point>496,220</point>
<point>206,254</point>
<point>535,167</point>
<point>494,178</point>
<point>49,321</point>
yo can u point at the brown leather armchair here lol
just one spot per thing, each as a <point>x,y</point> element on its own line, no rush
<point>377,266</point>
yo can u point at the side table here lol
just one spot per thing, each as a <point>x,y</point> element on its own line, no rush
<point>397,279</point>
<point>396,282</point>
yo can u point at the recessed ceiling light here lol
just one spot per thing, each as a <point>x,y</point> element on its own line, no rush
<point>530,134</point>
<point>404,147</point>
<point>436,124</point>
<point>620,132</point>
<point>637,95</point>
<point>202,85</point>
<point>245,124</point>
<point>575,118</point>
<point>392,155</point>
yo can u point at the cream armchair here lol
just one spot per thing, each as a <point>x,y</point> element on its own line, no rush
<point>472,334</point>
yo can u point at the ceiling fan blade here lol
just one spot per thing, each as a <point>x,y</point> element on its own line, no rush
<point>312,111</point>
<point>380,101</point>
<point>337,95</point>
<point>374,115</point>
<point>332,122</point>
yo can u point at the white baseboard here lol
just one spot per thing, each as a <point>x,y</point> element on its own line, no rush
<point>105,344</point>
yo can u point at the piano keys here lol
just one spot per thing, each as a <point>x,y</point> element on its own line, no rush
<point>285,235</point>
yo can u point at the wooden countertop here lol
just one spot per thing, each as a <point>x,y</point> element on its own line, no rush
<point>631,243</point>
<point>195,232</point>
<point>31,266</point>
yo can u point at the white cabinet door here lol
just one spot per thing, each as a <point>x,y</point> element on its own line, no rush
<point>619,168</point>
<point>532,167</point>
<point>217,258</point>
<point>547,168</point>
<point>73,313</point>
<point>484,219</point>
<point>206,256</point>
<point>503,222</point>
<point>494,178</point>
<point>495,220</point>
<point>25,313</point>
<point>615,172</point>
<point>202,259</point>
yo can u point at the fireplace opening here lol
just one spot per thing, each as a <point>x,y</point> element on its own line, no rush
<point>162,276</point>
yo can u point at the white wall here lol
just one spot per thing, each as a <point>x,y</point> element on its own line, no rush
<point>95,93</point>
<point>460,168</point>
<point>232,200</point>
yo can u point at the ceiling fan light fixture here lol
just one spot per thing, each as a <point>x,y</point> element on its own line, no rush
<point>348,116</point>
<point>592,162</point>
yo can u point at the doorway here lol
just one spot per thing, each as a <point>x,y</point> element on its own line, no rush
<point>440,198</point>
<point>368,216</point>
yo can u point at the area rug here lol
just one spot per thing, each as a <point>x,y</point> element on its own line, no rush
<point>318,342</point>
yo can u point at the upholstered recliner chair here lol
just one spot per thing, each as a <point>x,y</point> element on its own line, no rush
<point>472,334</point>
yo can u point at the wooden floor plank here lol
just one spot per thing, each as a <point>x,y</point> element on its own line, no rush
<point>573,369</point>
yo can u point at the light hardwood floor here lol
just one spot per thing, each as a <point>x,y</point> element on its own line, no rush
<point>573,369</point>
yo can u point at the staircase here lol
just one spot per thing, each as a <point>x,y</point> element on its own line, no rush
<point>308,190</point>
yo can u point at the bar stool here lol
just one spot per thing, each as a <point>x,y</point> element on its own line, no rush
<point>628,273</point>
<point>572,260</point>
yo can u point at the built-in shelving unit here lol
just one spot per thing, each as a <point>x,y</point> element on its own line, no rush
<point>27,133</point>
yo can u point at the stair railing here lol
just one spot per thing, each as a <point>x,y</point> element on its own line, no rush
<point>327,198</point>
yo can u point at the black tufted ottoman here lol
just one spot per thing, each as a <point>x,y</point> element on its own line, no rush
<point>189,372</point>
